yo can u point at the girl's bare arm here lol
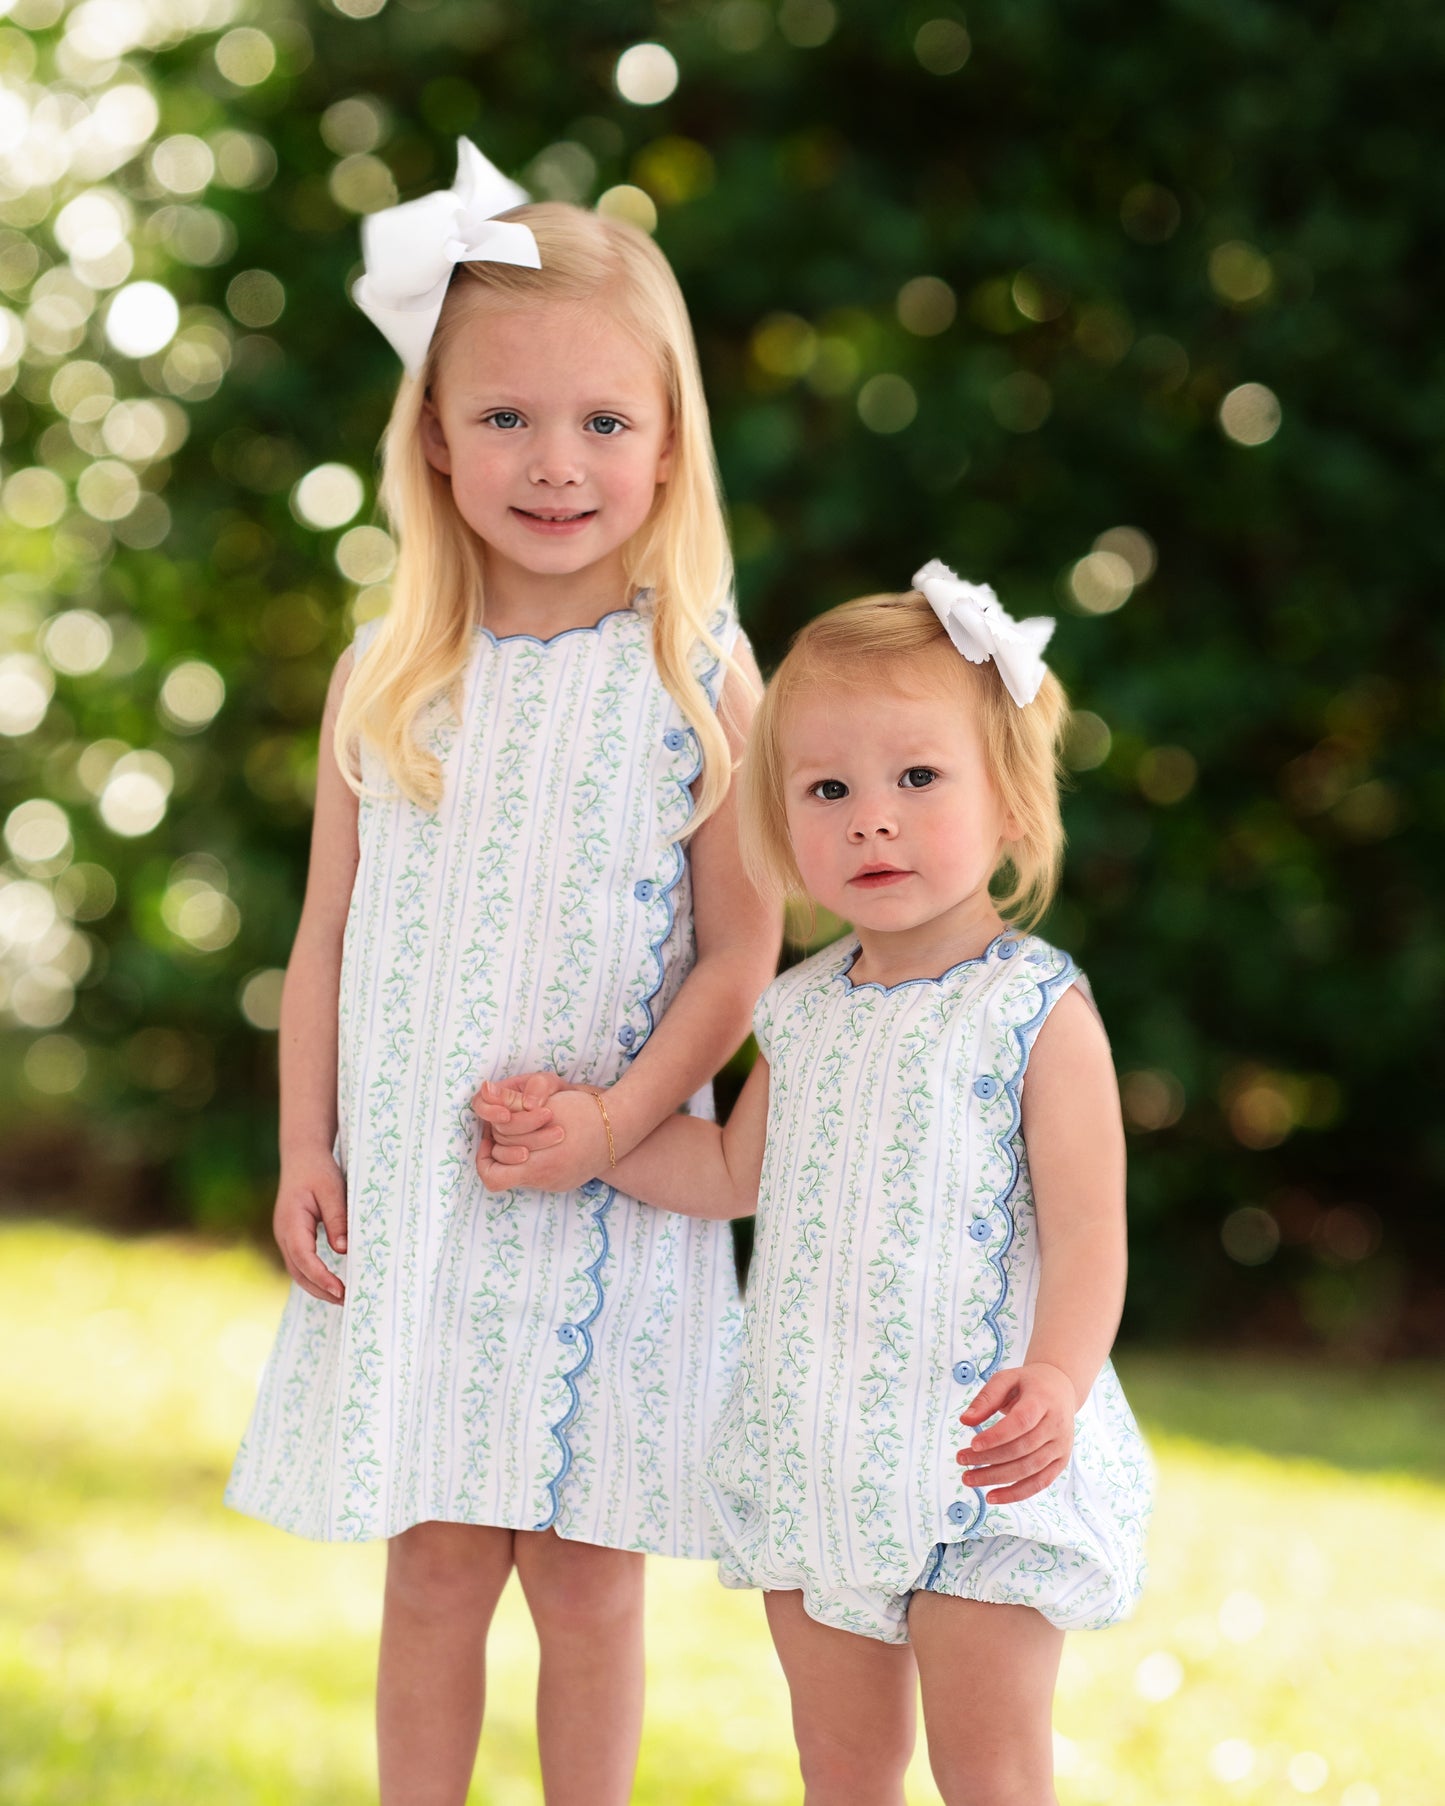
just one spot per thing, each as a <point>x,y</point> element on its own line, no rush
<point>697,1168</point>
<point>311,1187</point>
<point>1075,1141</point>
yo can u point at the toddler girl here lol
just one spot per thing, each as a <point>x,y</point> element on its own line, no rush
<point>939,1243</point>
<point>524,856</point>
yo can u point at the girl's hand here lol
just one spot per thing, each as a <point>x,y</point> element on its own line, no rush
<point>559,1157</point>
<point>514,1110</point>
<point>312,1191</point>
<point>1029,1447</point>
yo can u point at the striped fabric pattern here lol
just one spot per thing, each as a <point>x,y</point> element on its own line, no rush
<point>895,1270</point>
<point>524,1359</point>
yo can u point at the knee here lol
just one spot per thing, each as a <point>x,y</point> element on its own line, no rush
<point>585,1592</point>
<point>1019,1778</point>
<point>435,1568</point>
<point>847,1767</point>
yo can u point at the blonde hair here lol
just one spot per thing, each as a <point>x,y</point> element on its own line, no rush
<point>680,553</point>
<point>854,645</point>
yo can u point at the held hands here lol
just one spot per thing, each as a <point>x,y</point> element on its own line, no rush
<point>538,1132</point>
<point>312,1191</point>
<point>1029,1446</point>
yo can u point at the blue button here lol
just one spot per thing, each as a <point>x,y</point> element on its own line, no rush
<point>958,1512</point>
<point>674,739</point>
<point>965,1372</point>
<point>1007,949</point>
<point>978,1229</point>
<point>567,1333</point>
<point>643,890</point>
<point>627,1034</point>
<point>985,1087</point>
<point>592,1187</point>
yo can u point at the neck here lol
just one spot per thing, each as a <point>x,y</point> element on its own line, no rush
<point>522,601</point>
<point>929,949</point>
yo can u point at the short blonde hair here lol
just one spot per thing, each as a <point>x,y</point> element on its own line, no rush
<point>854,646</point>
<point>680,552</point>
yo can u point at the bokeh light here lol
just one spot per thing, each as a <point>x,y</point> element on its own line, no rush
<point>327,496</point>
<point>245,56</point>
<point>633,204</point>
<point>1250,414</point>
<point>646,74</point>
<point>38,834</point>
<point>136,793</point>
<point>191,695</point>
<point>142,319</point>
<point>926,306</point>
<point>887,403</point>
<point>1101,581</point>
<point>26,686</point>
<point>366,555</point>
<point>260,998</point>
<point>942,46</point>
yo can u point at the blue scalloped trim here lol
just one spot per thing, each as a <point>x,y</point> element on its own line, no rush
<point>583,1328</point>
<point>978,959</point>
<point>594,1272</point>
<point>507,639</point>
<point>664,891</point>
<point>1024,1033</point>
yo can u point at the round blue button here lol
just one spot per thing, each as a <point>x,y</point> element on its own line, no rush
<point>592,1187</point>
<point>1007,949</point>
<point>985,1087</point>
<point>978,1229</point>
<point>643,890</point>
<point>627,1034</point>
<point>674,739</point>
<point>965,1372</point>
<point>567,1333</point>
<point>958,1512</point>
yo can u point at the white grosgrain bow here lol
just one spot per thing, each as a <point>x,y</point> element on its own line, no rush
<point>982,629</point>
<point>411,250</point>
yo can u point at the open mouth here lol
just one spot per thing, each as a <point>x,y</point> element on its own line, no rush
<point>555,518</point>
<point>877,877</point>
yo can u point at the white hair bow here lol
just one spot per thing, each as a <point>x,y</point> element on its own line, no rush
<point>411,250</point>
<point>982,629</point>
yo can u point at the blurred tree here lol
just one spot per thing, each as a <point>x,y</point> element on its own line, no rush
<point>1129,316</point>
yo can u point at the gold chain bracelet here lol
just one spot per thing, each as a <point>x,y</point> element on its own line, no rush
<point>606,1124</point>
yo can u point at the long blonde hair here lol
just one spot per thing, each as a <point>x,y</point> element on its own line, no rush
<point>855,645</point>
<point>680,553</point>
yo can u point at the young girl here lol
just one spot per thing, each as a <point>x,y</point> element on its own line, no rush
<point>535,865</point>
<point>938,1242</point>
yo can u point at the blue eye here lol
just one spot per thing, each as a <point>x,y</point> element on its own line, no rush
<point>917,777</point>
<point>505,418</point>
<point>608,425</point>
<point>828,790</point>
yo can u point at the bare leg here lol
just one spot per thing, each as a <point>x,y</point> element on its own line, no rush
<point>443,1582</point>
<point>586,1603</point>
<point>988,1674</point>
<point>854,1710</point>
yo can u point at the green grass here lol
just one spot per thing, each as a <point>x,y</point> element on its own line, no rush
<point>156,1650</point>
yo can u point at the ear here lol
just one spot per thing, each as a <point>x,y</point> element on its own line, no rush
<point>434,440</point>
<point>665,456</point>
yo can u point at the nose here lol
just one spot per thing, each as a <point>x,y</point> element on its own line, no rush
<point>555,463</point>
<point>872,816</point>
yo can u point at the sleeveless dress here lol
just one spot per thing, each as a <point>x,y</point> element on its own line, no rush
<point>895,1269</point>
<point>526,1359</point>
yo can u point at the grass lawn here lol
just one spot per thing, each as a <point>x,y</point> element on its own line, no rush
<point>156,1650</point>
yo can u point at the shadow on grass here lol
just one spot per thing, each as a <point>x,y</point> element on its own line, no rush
<point>1367,1419</point>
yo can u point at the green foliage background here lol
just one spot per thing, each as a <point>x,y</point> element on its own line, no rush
<point>1126,216</point>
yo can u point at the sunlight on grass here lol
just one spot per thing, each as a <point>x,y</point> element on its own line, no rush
<point>156,1650</point>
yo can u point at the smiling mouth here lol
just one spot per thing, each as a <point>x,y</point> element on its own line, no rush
<point>554,519</point>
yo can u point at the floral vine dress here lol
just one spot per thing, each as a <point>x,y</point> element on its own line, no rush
<point>524,1359</point>
<point>896,1269</point>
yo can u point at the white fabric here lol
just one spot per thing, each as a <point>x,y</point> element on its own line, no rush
<point>983,629</point>
<point>895,1269</point>
<point>411,250</point>
<point>523,1359</point>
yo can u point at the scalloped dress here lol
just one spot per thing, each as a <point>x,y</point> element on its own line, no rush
<point>895,1269</point>
<point>526,1359</point>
